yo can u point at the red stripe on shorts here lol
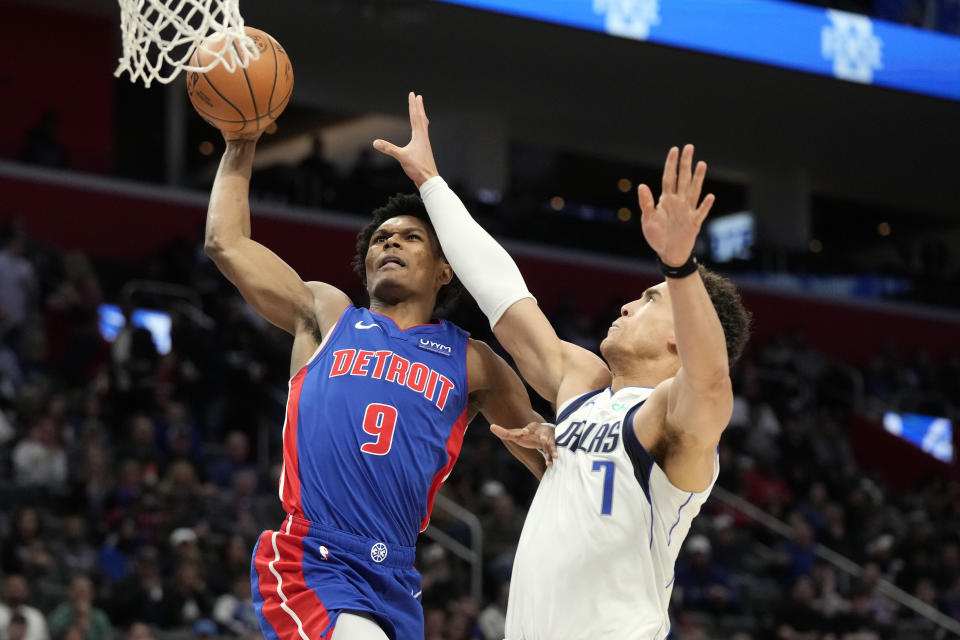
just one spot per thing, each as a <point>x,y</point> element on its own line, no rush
<point>287,601</point>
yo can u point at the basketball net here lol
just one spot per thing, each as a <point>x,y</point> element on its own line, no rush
<point>160,35</point>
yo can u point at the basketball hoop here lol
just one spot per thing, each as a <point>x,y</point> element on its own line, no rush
<point>160,35</point>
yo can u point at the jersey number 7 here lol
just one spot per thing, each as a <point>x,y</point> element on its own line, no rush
<point>379,420</point>
<point>608,467</point>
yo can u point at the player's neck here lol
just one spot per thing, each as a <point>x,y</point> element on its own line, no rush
<point>641,372</point>
<point>406,313</point>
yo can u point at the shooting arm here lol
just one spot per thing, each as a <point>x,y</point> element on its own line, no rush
<point>265,281</point>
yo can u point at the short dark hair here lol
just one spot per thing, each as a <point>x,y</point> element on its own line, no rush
<point>734,317</point>
<point>403,205</point>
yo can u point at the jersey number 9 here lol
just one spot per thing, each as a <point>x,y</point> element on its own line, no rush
<point>379,420</point>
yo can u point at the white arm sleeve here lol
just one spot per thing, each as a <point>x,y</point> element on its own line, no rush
<point>483,266</point>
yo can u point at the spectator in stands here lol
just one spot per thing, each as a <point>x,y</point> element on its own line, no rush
<point>79,613</point>
<point>186,598</point>
<point>234,611</point>
<point>730,545</point>
<point>39,460</point>
<point>501,530</point>
<point>492,620</point>
<point>439,580</point>
<point>139,597</point>
<point>17,629</point>
<point>834,533</point>
<point>141,447</point>
<point>234,561</point>
<point>221,470</point>
<point>74,554</point>
<point>796,556</point>
<point>139,631</point>
<point>133,357</point>
<point>828,603</point>
<point>180,437</point>
<point>242,511</point>
<point>182,496</point>
<point>27,551</point>
<point>18,288</point>
<point>27,621</point>
<point>435,623</point>
<point>798,619</point>
<point>950,600</point>
<point>859,623</point>
<point>700,583</point>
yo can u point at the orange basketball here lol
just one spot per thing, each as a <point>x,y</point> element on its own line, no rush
<point>246,100</point>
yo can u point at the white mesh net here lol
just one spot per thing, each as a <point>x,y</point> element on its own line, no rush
<point>160,35</point>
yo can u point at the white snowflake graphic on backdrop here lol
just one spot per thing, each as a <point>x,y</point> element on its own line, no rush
<point>849,40</point>
<point>628,18</point>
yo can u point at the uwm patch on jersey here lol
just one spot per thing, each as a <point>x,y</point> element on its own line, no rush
<point>374,425</point>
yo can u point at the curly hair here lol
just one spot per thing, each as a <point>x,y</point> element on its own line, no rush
<point>734,317</point>
<point>404,205</point>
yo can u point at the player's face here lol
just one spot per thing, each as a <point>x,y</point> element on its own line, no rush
<point>403,260</point>
<point>645,326</point>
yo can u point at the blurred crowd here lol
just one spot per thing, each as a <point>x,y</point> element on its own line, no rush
<point>135,482</point>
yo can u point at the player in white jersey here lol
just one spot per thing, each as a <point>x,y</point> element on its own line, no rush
<point>637,437</point>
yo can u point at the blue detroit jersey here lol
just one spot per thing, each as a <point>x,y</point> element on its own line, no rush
<point>374,424</point>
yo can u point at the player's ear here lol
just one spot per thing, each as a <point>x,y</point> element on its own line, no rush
<point>672,345</point>
<point>446,273</point>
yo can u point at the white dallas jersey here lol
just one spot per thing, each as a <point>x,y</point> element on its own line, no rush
<point>597,553</point>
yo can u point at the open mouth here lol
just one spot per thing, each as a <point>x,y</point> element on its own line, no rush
<point>386,261</point>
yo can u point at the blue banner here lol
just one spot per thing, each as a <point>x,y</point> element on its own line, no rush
<point>827,42</point>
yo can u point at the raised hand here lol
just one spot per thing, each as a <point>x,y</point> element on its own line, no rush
<point>536,435</point>
<point>416,158</point>
<point>672,224</point>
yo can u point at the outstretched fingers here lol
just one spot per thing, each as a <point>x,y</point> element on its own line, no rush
<point>647,204</point>
<point>696,185</point>
<point>686,168</point>
<point>704,208</point>
<point>422,119</point>
<point>387,148</point>
<point>670,171</point>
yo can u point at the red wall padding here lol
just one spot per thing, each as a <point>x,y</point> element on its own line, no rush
<point>131,227</point>
<point>63,63</point>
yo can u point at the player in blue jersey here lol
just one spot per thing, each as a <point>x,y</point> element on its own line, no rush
<point>378,404</point>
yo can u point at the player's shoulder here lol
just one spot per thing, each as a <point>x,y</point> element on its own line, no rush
<point>324,292</point>
<point>479,351</point>
<point>329,303</point>
<point>484,365</point>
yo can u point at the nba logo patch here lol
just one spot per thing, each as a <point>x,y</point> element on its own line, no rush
<point>324,552</point>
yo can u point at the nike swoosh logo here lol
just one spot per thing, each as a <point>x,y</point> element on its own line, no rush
<point>360,325</point>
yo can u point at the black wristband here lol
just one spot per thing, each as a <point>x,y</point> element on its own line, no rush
<point>682,271</point>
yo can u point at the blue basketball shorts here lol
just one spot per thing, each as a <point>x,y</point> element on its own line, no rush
<point>304,576</point>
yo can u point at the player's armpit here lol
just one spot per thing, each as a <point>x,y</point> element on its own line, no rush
<point>684,424</point>
<point>497,391</point>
